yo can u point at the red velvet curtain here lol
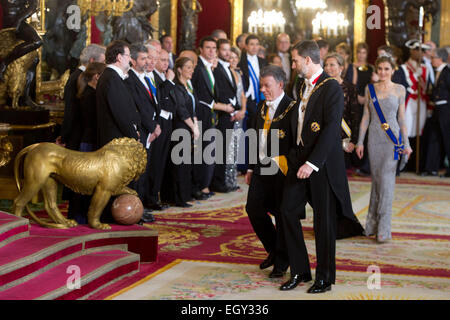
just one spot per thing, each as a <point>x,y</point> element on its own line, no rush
<point>215,15</point>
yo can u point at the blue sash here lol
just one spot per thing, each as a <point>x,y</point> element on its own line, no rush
<point>258,94</point>
<point>398,144</point>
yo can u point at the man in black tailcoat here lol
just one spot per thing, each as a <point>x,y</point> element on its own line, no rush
<point>316,173</point>
<point>250,66</point>
<point>268,167</point>
<point>143,97</point>
<point>441,98</point>
<point>225,120</point>
<point>206,89</point>
<point>118,115</point>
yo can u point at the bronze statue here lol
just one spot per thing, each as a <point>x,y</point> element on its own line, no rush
<point>134,26</point>
<point>190,23</point>
<point>103,173</point>
<point>15,13</point>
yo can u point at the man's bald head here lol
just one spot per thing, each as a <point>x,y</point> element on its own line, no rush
<point>163,62</point>
<point>189,54</point>
<point>283,42</point>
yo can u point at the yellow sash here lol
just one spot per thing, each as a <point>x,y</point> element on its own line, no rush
<point>281,161</point>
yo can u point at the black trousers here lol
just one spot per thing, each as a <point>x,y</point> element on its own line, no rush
<point>444,121</point>
<point>264,197</point>
<point>203,172</point>
<point>431,149</point>
<point>318,192</point>
<point>158,159</point>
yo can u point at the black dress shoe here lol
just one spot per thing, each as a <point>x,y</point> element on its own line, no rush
<point>183,205</point>
<point>277,273</point>
<point>158,207</point>
<point>199,196</point>
<point>445,175</point>
<point>428,173</point>
<point>294,281</point>
<point>209,194</point>
<point>147,217</point>
<point>270,260</point>
<point>319,286</point>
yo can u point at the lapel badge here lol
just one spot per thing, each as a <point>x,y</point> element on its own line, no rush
<point>315,127</point>
<point>281,134</point>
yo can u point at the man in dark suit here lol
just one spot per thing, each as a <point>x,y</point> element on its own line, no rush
<point>225,120</point>
<point>441,98</point>
<point>143,98</point>
<point>71,127</point>
<point>266,175</point>
<point>118,115</point>
<point>250,66</point>
<point>167,44</point>
<point>316,173</point>
<point>206,90</point>
<point>166,109</point>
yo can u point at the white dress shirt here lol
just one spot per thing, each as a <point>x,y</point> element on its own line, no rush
<point>301,114</point>
<point>226,66</point>
<point>286,61</point>
<point>273,106</point>
<point>208,66</point>
<point>118,70</point>
<point>82,68</point>
<point>430,69</point>
<point>255,64</point>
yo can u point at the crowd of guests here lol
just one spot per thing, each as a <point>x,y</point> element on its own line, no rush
<point>146,92</point>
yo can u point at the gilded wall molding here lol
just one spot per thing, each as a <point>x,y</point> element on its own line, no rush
<point>237,12</point>
<point>444,23</point>
<point>359,22</point>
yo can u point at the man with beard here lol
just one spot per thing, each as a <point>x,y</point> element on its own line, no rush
<point>316,173</point>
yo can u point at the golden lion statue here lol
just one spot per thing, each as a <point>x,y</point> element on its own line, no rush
<point>102,173</point>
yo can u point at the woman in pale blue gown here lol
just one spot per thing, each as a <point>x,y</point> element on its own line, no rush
<point>391,98</point>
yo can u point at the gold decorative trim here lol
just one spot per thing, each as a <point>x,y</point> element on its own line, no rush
<point>445,21</point>
<point>32,127</point>
<point>237,13</point>
<point>174,22</point>
<point>359,22</point>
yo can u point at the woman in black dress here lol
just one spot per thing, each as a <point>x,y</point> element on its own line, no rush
<point>184,119</point>
<point>87,83</point>
<point>334,65</point>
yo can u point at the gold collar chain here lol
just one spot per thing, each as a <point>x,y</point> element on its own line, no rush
<point>281,116</point>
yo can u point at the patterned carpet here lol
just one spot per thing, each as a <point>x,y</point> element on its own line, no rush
<point>212,252</point>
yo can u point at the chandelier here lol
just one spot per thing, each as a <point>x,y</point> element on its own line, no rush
<point>311,4</point>
<point>267,22</point>
<point>330,24</point>
<point>109,7</point>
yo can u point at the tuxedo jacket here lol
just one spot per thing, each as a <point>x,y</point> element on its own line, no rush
<point>243,65</point>
<point>441,89</point>
<point>71,130</point>
<point>321,135</point>
<point>117,114</point>
<point>228,89</point>
<point>205,94</point>
<point>281,121</point>
<point>165,99</point>
<point>146,105</point>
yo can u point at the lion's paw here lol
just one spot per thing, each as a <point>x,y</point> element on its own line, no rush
<point>71,223</point>
<point>100,226</point>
